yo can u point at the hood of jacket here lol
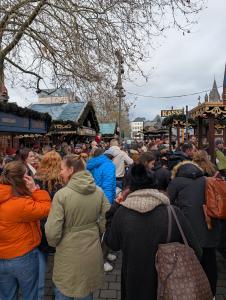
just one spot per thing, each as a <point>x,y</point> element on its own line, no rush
<point>5,192</point>
<point>113,151</point>
<point>145,200</point>
<point>187,169</point>
<point>95,162</point>
<point>82,182</point>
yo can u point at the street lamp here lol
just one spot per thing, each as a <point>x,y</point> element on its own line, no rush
<point>120,91</point>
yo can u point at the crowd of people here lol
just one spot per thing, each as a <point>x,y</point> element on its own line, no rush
<point>84,203</point>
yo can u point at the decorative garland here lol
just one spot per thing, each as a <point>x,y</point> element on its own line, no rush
<point>168,121</point>
<point>13,108</point>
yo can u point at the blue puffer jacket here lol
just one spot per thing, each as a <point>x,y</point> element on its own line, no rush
<point>103,171</point>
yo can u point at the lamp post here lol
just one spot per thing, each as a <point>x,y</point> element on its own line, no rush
<point>119,88</point>
<point>186,124</point>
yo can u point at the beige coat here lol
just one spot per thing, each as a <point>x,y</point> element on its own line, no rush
<point>119,159</point>
<point>75,220</point>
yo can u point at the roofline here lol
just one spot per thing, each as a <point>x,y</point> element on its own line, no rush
<point>89,105</point>
<point>82,110</point>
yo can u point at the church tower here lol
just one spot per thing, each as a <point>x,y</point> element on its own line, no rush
<point>214,94</point>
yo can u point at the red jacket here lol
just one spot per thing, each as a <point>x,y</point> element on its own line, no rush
<point>19,221</point>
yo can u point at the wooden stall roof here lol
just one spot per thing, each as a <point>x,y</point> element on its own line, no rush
<point>77,112</point>
<point>213,108</point>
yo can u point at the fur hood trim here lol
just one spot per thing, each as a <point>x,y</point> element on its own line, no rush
<point>145,200</point>
<point>185,162</point>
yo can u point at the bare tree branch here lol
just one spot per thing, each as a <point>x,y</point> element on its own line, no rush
<point>25,71</point>
<point>72,43</point>
<point>21,30</point>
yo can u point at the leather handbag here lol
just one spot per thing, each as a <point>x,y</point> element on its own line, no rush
<point>180,275</point>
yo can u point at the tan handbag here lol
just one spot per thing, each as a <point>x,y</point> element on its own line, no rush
<point>180,275</point>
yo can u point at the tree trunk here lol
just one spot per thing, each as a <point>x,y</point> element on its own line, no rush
<point>3,91</point>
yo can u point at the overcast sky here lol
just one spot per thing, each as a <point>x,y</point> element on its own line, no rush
<point>182,65</point>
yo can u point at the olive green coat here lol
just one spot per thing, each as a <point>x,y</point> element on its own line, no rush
<point>76,218</point>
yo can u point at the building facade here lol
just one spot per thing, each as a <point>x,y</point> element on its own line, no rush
<point>60,96</point>
<point>137,127</point>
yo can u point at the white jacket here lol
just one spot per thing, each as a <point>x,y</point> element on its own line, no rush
<point>120,158</point>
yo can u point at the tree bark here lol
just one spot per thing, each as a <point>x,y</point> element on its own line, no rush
<point>2,80</point>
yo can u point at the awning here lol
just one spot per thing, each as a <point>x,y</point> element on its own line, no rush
<point>62,132</point>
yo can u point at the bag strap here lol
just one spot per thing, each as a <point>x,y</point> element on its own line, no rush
<point>169,224</point>
<point>178,225</point>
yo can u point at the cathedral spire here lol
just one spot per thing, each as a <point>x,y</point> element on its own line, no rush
<point>214,94</point>
<point>224,87</point>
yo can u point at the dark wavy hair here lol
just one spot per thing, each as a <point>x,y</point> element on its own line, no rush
<point>146,157</point>
<point>140,178</point>
<point>23,154</point>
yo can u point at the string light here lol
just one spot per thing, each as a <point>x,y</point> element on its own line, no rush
<point>170,97</point>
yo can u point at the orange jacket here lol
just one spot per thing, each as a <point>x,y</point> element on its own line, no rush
<point>19,221</point>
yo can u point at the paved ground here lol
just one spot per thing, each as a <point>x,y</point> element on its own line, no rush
<point>111,288</point>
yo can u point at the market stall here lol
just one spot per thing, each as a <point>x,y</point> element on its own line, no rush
<point>72,122</point>
<point>15,122</point>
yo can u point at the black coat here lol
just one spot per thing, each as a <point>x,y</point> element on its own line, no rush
<point>187,191</point>
<point>44,246</point>
<point>138,236</point>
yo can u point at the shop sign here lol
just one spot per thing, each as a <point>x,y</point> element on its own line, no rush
<point>13,123</point>
<point>62,127</point>
<point>87,131</point>
<point>170,112</point>
<point>11,120</point>
<point>8,120</point>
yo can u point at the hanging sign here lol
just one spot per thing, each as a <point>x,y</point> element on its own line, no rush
<point>170,112</point>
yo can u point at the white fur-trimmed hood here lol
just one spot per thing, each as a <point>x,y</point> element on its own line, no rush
<point>145,200</point>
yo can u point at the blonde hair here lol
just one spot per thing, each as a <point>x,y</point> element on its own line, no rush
<point>201,158</point>
<point>49,169</point>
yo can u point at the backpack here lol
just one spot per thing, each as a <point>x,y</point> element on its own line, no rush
<point>215,200</point>
<point>180,275</point>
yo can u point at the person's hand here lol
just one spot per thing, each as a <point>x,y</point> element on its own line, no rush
<point>122,196</point>
<point>29,181</point>
<point>119,199</point>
